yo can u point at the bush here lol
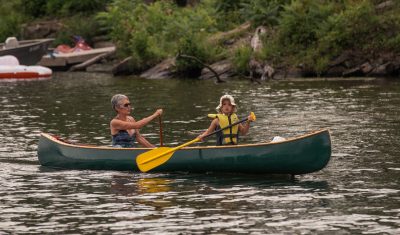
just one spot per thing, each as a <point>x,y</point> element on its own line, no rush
<point>241,59</point>
<point>354,27</point>
<point>84,26</point>
<point>41,8</point>
<point>229,14</point>
<point>191,45</point>
<point>150,33</point>
<point>300,22</point>
<point>261,12</point>
<point>312,33</point>
<point>10,20</point>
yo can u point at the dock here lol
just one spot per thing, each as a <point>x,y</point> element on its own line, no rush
<point>69,59</point>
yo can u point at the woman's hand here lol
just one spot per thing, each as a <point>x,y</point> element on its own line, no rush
<point>158,112</point>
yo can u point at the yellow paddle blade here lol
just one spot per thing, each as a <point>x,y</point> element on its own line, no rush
<point>153,158</point>
<point>253,116</point>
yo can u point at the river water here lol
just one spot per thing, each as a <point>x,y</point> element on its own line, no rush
<point>357,193</point>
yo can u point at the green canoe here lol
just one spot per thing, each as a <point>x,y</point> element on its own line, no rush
<point>304,154</point>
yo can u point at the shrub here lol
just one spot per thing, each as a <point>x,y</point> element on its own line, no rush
<point>150,33</point>
<point>241,59</point>
<point>299,24</point>
<point>351,28</point>
<point>79,25</point>
<point>41,8</point>
<point>191,45</point>
<point>314,32</point>
<point>10,20</point>
<point>261,12</point>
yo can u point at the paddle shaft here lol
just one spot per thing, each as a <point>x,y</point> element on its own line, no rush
<point>233,124</point>
<point>161,130</point>
<point>190,142</point>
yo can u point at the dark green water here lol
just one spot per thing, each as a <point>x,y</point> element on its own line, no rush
<point>357,193</point>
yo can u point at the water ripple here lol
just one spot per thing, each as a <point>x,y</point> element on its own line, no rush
<point>357,193</point>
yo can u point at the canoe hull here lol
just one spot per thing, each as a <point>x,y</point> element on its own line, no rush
<point>305,154</point>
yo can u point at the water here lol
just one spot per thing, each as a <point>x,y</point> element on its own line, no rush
<point>357,193</point>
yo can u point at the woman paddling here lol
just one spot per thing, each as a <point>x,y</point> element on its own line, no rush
<point>124,128</point>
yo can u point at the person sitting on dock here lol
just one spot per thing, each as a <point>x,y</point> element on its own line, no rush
<point>124,128</point>
<point>225,117</point>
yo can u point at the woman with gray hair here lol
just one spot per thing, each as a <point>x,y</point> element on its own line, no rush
<point>124,128</point>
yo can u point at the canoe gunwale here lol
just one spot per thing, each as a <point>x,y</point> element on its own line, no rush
<point>58,141</point>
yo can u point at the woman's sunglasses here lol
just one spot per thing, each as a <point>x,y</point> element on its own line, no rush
<point>126,105</point>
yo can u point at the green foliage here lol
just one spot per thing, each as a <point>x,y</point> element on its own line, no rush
<point>40,8</point>
<point>228,13</point>
<point>241,59</point>
<point>262,12</point>
<point>191,45</point>
<point>312,33</point>
<point>299,24</point>
<point>150,33</point>
<point>224,6</point>
<point>33,8</point>
<point>308,32</point>
<point>9,21</point>
<point>350,28</point>
<point>79,25</point>
<point>394,43</point>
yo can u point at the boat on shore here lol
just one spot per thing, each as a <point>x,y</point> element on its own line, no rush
<point>299,155</point>
<point>62,61</point>
<point>28,52</point>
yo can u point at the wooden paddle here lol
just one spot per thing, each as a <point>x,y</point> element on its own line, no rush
<point>155,157</point>
<point>161,132</point>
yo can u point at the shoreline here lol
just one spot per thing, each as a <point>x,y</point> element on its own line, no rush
<point>292,79</point>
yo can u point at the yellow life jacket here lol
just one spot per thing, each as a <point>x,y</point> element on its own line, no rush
<point>229,135</point>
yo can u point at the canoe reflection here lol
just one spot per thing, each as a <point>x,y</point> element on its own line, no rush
<point>153,185</point>
<point>132,186</point>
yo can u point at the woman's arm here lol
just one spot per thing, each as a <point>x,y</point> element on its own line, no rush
<point>141,140</point>
<point>210,129</point>
<point>126,125</point>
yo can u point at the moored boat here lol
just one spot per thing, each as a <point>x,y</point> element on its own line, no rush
<point>300,155</point>
<point>10,69</point>
<point>28,52</point>
<point>24,72</point>
<point>65,60</point>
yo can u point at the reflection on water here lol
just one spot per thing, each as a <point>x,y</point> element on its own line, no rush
<point>125,186</point>
<point>153,185</point>
<point>358,192</point>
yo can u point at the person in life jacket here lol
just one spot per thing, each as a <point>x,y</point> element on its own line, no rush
<point>226,116</point>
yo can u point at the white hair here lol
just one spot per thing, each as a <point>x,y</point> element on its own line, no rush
<point>116,99</point>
